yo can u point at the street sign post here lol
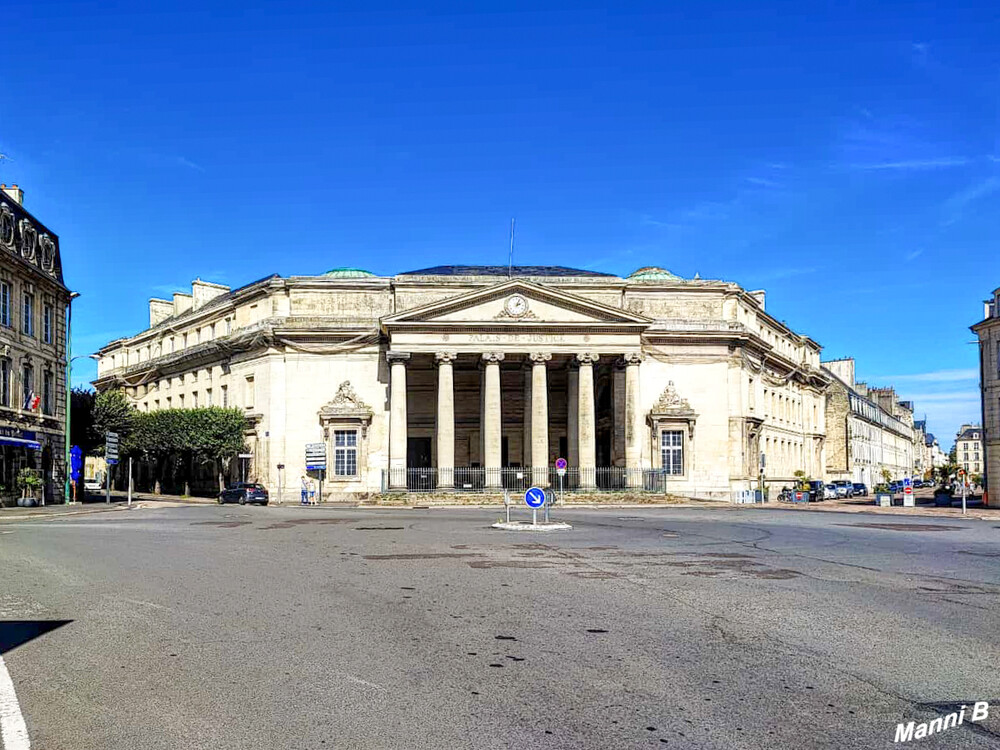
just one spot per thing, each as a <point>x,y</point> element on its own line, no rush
<point>561,464</point>
<point>534,498</point>
<point>111,444</point>
<point>316,461</point>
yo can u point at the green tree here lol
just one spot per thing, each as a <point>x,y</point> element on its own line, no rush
<point>173,441</point>
<point>113,413</point>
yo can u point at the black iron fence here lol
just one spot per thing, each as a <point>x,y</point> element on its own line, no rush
<point>516,479</point>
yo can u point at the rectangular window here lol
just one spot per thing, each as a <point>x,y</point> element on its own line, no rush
<point>345,453</point>
<point>28,314</point>
<point>4,382</point>
<point>27,386</point>
<point>208,397</point>
<point>180,401</point>
<point>229,326</point>
<point>47,401</point>
<point>170,401</point>
<point>47,324</point>
<point>156,403</point>
<point>250,392</point>
<point>225,397</point>
<point>194,400</point>
<point>672,451</point>
<point>5,304</point>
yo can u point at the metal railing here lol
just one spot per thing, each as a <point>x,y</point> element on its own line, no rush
<point>517,479</point>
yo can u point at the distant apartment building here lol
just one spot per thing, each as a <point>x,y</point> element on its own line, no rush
<point>969,452</point>
<point>934,455</point>
<point>988,331</point>
<point>867,429</point>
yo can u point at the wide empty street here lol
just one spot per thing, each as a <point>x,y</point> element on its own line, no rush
<point>238,627</point>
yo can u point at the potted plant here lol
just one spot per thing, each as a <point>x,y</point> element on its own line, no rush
<point>883,495</point>
<point>30,485</point>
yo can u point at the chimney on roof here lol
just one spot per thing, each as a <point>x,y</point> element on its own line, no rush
<point>159,310</point>
<point>14,193</point>
<point>203,292</point>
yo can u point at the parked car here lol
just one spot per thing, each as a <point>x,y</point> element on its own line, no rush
<point>817,491</point>
<point>830,492</point>
<point>843,488</point>
<point>243,493</point>
<point>859,489</point>
<point>92,485</point>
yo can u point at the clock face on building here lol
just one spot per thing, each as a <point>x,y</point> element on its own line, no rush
<point>516,305</point>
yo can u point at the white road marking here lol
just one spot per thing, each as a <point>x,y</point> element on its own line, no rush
<point>13,731</point>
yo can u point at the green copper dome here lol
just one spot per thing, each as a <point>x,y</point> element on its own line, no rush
<point>653,273</point>
<point>348,273</point>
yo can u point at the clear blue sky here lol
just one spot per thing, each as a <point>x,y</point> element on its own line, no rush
<point>847,160</point>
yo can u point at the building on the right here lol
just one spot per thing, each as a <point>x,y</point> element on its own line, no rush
<point>988,331</point>
<point>969,454</point>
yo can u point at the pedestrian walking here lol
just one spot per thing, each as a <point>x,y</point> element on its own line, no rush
<point>305,490</point>
<point>312,491</point>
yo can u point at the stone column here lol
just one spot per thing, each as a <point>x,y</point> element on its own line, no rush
<point>539,419</point>
<point>633,421</point>
<point>572,423</point>
<point>445,420</point>
<point>526,444</point>
<point>397,418</point>
<point>587,427</point>
<point>492,424</point>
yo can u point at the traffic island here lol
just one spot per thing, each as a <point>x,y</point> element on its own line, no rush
<point>529,526</point>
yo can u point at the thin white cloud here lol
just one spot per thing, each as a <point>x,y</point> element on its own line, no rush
<point>934,376</point>
<point>185,162</point>
<point>913,255</point>
<point>972,193</point>
<point>915,164</point>
<point>763,182</point>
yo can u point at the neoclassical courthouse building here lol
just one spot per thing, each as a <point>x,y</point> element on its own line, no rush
<point>481,376</point>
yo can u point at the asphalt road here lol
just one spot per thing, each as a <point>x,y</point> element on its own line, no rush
<point>230,627</point>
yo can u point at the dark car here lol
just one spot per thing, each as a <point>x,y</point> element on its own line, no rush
<point>859,489</point>
<point>816,491</point>
<point>243,493</point>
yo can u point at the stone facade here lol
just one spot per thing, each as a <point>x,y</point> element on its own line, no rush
<point>458,376</point>
<point>988,331</point>
<point>34,305</point>
<point>866,429</point>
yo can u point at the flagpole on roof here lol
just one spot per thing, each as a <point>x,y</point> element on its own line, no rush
<point>510,258</point>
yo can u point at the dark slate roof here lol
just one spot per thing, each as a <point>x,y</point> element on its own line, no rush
<point>967,435</point>
<point>504,271</point>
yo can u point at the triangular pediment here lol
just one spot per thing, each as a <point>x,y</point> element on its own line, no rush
<point>516,302</point>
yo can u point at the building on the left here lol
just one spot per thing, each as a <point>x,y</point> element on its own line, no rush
<point>34,388</point>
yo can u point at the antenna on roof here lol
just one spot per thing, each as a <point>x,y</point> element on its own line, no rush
<point>510,258</point>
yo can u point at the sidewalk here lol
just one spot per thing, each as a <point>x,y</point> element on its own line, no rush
<point>53,511</point>
<point>977,512</point>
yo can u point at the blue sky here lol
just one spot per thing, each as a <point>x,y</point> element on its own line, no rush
<point>846,159</point>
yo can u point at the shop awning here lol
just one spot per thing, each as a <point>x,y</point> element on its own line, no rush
<point>32,444</point>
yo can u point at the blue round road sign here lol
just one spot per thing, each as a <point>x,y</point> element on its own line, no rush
<point>534,497</point>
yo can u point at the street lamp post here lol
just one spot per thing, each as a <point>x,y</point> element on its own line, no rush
<point>69,392</point>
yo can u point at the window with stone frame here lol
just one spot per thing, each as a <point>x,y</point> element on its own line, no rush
<point>47,323</point>
<point>28,314</point>
<point>48,399</point>
<point>672,452</point>
<point>27,386</point>
<point>345,453</point>
<point>4,382</point>
<point>5,294</point>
